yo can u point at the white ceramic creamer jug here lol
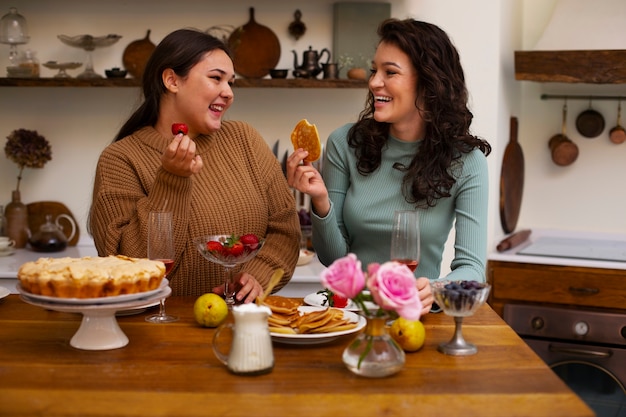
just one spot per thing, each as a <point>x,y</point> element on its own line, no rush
<point>251,348</point>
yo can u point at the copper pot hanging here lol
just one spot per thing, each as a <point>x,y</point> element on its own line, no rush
<point>617,134</point>
<point>564,152</point>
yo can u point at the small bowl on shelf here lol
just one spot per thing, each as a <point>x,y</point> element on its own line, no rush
<point>279,73</point>
<point>115,73</point>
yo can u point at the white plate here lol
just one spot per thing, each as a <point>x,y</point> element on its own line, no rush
<point>319,338</point>
<point>136,310</point>
<point>93,301</point>
<point>305,257</point>
<point>316,300</point>
<point>7,252</point>
<point>4,292</point>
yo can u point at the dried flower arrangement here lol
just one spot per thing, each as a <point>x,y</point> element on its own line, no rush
<point>28,149</point>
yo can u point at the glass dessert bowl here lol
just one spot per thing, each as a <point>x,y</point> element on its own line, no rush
<point>229,251</point>
<point>459,299</point>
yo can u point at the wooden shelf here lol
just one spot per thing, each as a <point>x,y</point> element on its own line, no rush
<point>592,67</point>
<point>133,82</point>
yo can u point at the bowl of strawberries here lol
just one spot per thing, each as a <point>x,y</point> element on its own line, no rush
<point>229,250</point>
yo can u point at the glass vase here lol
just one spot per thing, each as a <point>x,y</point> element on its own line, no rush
<point>374,353</point>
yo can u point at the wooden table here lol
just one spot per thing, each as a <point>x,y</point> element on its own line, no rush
<point>170,370</point>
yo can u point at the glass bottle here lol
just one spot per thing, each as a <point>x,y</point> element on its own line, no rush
<point>16,215</point>
<point>374,353</point>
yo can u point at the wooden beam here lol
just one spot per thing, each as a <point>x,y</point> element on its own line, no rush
<point>592,67</point>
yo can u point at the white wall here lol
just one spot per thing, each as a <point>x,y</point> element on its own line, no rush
<point>79,122</point>
<point>588,195</point>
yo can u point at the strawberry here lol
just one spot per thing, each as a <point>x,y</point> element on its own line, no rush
<point>236,249</point>
<point>214,246</point>
<point>339,301</point>
<point>250,240</point>
<point>179,128</point>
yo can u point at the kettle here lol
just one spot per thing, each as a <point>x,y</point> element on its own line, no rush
<point>310,63</point>
<point>50,237</point>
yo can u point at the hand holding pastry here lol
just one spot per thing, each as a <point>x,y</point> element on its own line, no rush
<point>301,174</point>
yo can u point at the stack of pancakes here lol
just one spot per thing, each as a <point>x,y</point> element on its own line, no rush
<point>287,319</point>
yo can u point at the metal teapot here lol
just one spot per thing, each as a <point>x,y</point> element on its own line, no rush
<point>311,61</point>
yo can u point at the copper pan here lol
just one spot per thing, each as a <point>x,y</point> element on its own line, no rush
<point>617,134</point>
<point>590,123</point>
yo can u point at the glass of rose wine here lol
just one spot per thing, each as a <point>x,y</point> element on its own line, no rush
<point>405,238</point>
<point>161,248</point>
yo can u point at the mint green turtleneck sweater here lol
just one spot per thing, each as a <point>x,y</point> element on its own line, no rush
<point>362,210</point>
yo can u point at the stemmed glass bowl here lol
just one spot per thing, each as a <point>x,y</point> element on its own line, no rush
<point>89,43</point>
<point>227,258</point>
<point>459,299</point>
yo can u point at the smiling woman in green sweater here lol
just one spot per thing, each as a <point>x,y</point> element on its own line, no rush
<point>411,149</point>
<point>220,177</point>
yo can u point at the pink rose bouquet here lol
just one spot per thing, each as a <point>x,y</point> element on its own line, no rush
<point>391,286</point>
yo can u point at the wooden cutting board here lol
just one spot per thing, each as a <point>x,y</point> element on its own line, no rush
<point>256,49</point>
<point>136,55</point>
<point>37,212</point>
<point>511,181</point>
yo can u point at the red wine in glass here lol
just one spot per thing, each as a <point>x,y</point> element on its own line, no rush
<point>160,246</point>
<point>169,263</point>
<point>411,263</point>
<point>405,238</point>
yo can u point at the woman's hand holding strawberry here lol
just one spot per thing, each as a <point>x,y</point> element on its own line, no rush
<point>180,156</point>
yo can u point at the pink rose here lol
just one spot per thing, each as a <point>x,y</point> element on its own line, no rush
<point>372,268</point>
<point>393,288</point>
<point>344,276</point>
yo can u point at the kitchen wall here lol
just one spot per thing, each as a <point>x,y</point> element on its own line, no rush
<point>80,122</point>
<point>588,195</point>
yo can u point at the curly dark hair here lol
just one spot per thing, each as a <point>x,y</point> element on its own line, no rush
<point>443,96</point>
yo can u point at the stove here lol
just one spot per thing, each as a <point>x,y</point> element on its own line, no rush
<point>585,348</point>
<point>607,249</point>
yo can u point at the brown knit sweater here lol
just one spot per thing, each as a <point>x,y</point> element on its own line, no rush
<point>240,189</point>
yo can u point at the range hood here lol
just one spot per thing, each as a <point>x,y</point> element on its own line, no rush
<point>584,42</point>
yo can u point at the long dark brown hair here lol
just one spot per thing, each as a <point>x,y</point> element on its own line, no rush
<point>442,97</point>
<point>180,51</point>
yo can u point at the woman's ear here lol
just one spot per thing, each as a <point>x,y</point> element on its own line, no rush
<point>170,80</point>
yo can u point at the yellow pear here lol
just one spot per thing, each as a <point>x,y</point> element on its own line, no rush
<point>210,310</point>
<point>410,335</point>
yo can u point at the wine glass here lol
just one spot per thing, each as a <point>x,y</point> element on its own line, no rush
<point>459,299</point>
<point>227,258</point>
<point>405,238</point>
<point>161,248</point>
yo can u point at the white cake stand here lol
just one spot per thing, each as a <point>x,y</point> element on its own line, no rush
<point>99,329</point>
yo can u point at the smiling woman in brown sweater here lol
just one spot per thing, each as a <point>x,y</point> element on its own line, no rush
<point>220,178</point>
